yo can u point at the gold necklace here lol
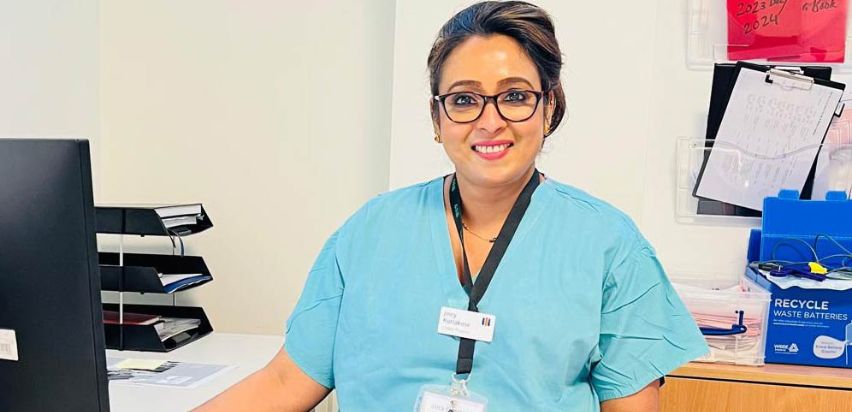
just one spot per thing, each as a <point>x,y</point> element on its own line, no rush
<point>492,240</point>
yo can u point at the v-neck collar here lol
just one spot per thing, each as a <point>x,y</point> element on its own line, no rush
<point>447,274</point>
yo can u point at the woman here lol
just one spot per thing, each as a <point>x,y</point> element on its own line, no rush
<point>545,297</point>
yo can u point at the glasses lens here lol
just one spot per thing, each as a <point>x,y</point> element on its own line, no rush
<point>463,107</point>
<point>517,105</point>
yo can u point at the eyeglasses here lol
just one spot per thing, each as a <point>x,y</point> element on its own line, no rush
<point>512,105</point>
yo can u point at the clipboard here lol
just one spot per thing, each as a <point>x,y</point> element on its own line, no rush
<point>810,80</point>
<point>723,82</point>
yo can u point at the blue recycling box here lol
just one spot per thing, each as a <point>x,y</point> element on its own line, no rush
<point>805,326</point>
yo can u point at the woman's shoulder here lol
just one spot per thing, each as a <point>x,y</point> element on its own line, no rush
<point>398,204</point>
<point>406,198</point>
<point>574,211</point>
<point>576,204</point>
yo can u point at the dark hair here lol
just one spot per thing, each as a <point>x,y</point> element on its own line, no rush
<point>528,24</point>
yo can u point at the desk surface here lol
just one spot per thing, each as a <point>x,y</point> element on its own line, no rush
<point>794,375</point>
<point>251,352</point>
<point>247,353</point>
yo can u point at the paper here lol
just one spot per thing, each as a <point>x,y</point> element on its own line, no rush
<point>140,364</point>
<point>170,222</point>
<point>168,279</point>
<point>177,375</point>
<point>179,210</point>
<point>171,327</point>
<point>787,30</point>
<point>786,282</point>
<point>8,345</point>
<point>767,141</point>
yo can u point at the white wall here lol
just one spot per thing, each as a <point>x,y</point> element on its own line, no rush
<point>679,102</point>
<point>591,96</point>
<point>275,115</point>
<point>49,71</point>
<point>630,96</point>
<point>227,103</point>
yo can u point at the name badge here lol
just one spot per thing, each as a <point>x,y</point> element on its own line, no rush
<point>466,324</point>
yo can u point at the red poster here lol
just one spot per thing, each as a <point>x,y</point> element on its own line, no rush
<point>787,30</point>
<point>763,29</point>
<point>823,36</point>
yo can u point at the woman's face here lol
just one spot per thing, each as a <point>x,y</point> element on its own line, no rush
<point>491,151</point>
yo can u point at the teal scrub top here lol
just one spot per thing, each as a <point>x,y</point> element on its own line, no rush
<point>584,311</point>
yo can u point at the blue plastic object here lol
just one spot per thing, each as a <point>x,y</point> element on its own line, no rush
<point>804,326</point>
<point>790,224</point>
<point>736,329</point>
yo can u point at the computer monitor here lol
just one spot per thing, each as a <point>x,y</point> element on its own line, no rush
<point>49,279</point>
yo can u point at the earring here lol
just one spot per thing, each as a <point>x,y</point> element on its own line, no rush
<point>438,138</point>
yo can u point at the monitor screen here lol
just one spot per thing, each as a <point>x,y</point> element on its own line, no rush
<point>51,335</point>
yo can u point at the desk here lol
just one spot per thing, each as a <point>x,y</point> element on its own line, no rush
<point>710,387</point>
<point>695,387</point>
<point>247,352</point>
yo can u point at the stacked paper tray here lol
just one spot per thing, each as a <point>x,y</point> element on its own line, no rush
<point>731,315</point>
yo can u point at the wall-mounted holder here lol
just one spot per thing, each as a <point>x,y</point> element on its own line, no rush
<point>803,32</point>
<point>749,171</point>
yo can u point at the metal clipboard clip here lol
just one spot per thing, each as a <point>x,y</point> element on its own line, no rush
<point>789,80</point>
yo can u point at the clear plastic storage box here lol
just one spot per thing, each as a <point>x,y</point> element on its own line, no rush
<point>732,316</point>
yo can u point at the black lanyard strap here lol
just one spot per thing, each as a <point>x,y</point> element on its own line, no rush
<point>476,290</point>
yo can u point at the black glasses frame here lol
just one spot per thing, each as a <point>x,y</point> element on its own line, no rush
<point>442,98</point>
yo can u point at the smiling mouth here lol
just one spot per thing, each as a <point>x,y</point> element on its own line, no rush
<point>489,149</point>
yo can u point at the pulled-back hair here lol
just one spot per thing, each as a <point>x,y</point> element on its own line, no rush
<point>527,24</point>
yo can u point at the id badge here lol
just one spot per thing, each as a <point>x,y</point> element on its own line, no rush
<point>453,398</point>
<point>466,324</point>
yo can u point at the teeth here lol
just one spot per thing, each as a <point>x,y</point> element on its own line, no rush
<point>491,149</point>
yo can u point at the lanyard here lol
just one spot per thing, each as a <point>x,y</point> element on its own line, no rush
<point>476,290</point>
